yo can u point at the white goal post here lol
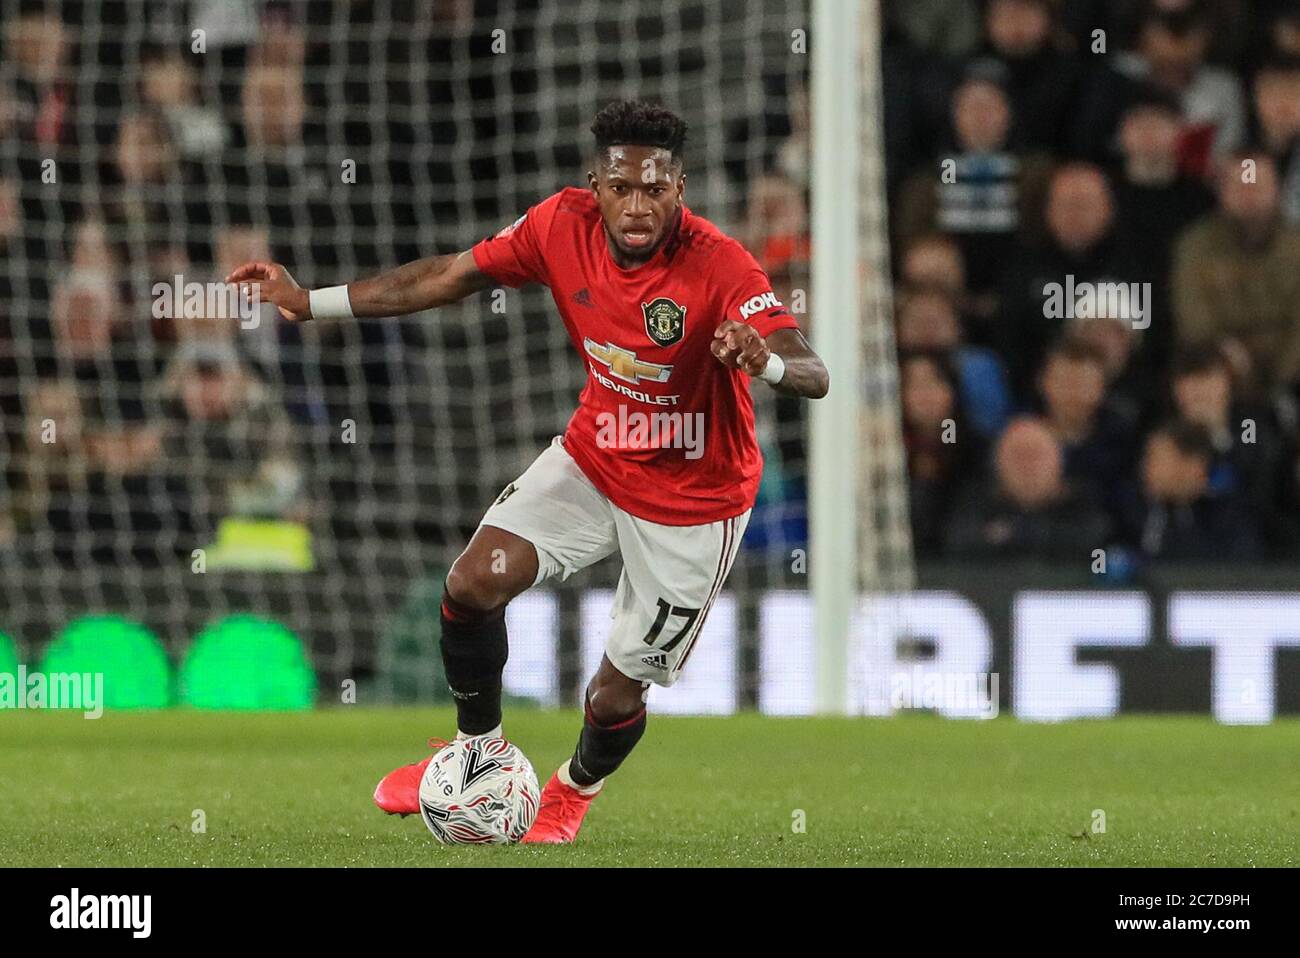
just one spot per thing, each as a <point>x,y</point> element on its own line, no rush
<point>859,533</point>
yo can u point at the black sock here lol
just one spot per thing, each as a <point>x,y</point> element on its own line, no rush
<point>602,748</point>
<point>474,653</point>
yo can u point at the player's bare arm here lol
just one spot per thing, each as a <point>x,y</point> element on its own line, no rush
<point>627,294</point>
<point>423,284</point>
<point>739,346</point>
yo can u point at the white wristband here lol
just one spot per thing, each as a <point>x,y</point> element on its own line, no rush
<point>330,303</point>
<point>774,369</point>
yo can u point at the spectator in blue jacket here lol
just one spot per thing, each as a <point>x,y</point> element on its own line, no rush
<point>928,321</point>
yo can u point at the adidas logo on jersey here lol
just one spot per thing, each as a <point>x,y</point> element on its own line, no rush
<point>583,298</point>
<point>656,660</point>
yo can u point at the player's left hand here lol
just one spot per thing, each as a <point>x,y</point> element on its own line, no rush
<point>738,346</point>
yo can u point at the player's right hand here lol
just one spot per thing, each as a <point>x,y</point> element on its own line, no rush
<point>273,284</point>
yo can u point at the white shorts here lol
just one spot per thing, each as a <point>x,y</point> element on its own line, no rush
<point>671,574</point>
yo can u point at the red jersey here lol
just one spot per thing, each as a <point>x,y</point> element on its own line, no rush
<point>662,429</point>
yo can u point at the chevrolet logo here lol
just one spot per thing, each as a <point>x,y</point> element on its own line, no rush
<point>624,364</point>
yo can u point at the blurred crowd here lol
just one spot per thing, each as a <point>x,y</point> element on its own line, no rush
<point>134,154</point>
<point>130,434</point>
<point>1151,146</point>
<point>1096,224</point>
<point>1094,211</point>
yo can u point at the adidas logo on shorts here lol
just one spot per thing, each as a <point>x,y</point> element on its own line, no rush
<point>656,660</point>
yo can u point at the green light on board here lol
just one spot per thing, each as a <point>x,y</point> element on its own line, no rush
<point>243,662</point>
<point>8,655</point>
<point>135,670</point>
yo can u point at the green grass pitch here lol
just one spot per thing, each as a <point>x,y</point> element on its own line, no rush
<point>294,789</point>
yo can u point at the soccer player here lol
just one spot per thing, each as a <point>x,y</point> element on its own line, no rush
<point>659,462</point>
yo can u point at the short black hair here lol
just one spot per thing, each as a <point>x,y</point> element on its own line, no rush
<point>1198,360</point>
<point>1189,438</point>
<point>987,70</point>
<point>1151,97</point>
<point>1075,349</point>
<point>634,123</point>
<point>1280,62</point>
<point>1195,15</point>
<point>940,359</point>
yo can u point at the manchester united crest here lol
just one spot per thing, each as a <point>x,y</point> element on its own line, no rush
<point>665,321</point>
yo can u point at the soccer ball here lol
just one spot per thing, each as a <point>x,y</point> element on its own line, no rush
<point>479,791</point>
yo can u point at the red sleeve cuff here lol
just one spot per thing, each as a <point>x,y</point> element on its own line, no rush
<point>483,261</point>
<point>767,325</point>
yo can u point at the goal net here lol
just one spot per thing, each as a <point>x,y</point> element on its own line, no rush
<point>172,461</point>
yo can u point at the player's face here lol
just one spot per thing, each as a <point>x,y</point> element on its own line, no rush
<point>639,189</point>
